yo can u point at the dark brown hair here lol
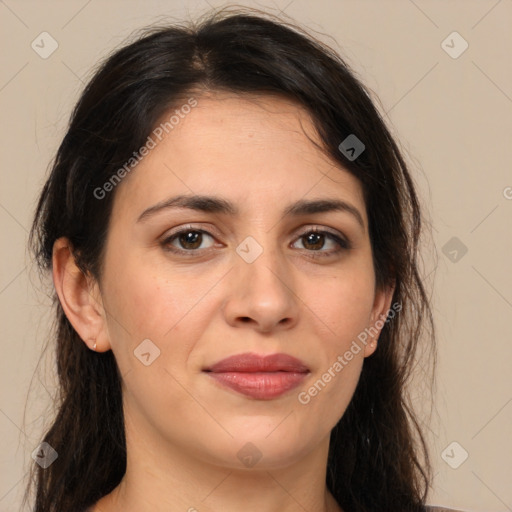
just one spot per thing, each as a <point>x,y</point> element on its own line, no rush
<point>377,457</point>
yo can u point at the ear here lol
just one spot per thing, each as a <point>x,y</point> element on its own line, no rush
<point>80,297</point>
<point>379,314</point>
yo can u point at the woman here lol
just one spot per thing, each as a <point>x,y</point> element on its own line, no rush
<point>232,234</point>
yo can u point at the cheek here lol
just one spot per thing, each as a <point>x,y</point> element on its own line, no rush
<point>148,302</point>
<point>141,303</point>
<point>341,309</point>
<point>341,302</point>
<point>340,359</point>
<point>146,305</point>
<point>145,298</point>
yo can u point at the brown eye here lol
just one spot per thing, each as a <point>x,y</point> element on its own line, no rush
<point>315,240</point>
<point>187,241</point>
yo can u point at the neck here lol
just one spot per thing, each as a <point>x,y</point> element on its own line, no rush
<point>162,478</point>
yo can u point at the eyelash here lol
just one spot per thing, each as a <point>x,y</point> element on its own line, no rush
<point>342,243</point>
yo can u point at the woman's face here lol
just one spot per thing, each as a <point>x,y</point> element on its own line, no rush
<point>250,278</point>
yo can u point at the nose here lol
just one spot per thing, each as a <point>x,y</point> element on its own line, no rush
<point>261,295</point>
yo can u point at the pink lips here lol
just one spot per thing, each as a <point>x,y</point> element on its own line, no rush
<point>260,377</point>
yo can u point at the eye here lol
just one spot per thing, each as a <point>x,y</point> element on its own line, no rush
<point>314,240</point>
<point>187,240</point>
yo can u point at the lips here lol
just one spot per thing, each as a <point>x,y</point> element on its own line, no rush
<point>259,377</point>
<point>249,363</point>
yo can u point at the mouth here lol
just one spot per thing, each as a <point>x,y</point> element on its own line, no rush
<point>259,377</point>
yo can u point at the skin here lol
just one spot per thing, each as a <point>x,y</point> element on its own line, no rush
<point>183,429</point>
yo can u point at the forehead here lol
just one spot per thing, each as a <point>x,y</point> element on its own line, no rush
<point>253,149</point>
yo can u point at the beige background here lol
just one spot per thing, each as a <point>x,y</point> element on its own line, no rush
<point>454,120</point>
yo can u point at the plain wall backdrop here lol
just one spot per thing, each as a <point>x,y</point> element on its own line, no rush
<point>442,71</point>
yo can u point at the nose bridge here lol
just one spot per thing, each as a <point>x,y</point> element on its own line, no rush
<point>262,288</point>
<point>262,265</point>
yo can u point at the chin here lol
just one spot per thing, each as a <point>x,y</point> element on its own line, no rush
<point>253,448</point>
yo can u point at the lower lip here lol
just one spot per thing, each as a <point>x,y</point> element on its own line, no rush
<point>260,385</point>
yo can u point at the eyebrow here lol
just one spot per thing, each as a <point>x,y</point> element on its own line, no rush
<point>211,204</point>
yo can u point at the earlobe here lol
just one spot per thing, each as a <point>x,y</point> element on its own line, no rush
<point>380,310</point>
<point>79,297</point>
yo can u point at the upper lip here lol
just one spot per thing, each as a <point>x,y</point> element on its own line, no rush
<point>249,362</point>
